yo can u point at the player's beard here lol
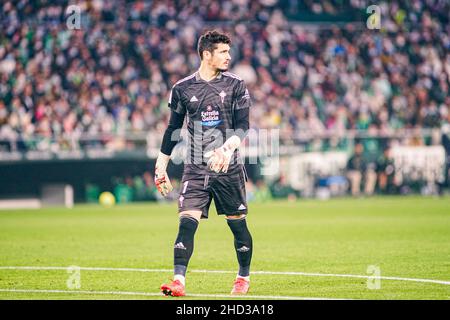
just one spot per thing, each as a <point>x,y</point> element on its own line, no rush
<point>222,69</point>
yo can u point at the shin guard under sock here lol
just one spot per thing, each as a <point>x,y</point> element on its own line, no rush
<point>184,244</point>
<point>243,244</point>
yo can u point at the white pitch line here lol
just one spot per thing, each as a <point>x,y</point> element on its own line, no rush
<point>232,272</point>
<point>151,294</point>
<point>353,276</point>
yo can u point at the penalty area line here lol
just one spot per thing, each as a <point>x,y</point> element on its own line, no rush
<point>284,273</point>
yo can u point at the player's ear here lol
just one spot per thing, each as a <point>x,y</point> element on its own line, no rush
<point>207,55</point>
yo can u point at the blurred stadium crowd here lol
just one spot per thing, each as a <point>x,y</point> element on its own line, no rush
<point>113,75</point>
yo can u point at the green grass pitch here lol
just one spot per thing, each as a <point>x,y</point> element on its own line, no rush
<point>329,244</point>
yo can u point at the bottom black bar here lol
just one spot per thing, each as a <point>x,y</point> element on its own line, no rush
<point>224,309</point>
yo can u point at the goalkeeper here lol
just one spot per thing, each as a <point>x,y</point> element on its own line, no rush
<point>217,104</point>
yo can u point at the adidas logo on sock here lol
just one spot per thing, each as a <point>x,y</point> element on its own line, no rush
<point>242,207</point>
<point>243,249</point>
<point>180,245</point>
<point>193,99</point>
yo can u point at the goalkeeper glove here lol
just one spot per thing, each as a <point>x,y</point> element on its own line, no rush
<point>162,180</point>
<point>219,159</point>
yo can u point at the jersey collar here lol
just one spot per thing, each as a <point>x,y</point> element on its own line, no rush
<point>198,78</point>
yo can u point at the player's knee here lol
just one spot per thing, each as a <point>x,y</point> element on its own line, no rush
<point>241,216</point>
<point>191,214</point>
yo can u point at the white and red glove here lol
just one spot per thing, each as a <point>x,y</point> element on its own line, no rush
<point>162,180</point>
<point>219,159</point>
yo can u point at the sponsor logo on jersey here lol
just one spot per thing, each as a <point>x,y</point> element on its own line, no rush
<point>210,117</point>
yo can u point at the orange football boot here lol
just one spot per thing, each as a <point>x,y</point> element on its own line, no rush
<point>240,286</point>
<point>174,289</point>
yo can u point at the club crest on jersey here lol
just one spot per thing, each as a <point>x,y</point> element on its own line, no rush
<point>210,117</point>
<point>222,95</point>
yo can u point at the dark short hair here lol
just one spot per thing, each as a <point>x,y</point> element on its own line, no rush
<point>209,41</point>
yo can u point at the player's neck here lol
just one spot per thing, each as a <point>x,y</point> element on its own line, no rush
<point>206,73</point>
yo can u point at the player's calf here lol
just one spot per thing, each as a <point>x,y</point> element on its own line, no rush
<point>243,244</point>
<point>184,246</point>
